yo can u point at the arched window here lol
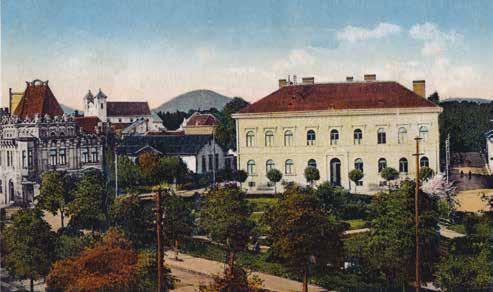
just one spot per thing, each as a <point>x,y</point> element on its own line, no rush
<point>423,132</point>
<point>424,162</point>
<point>381,136</point>
<point>402,135</point>
<point>269,138</point>
<point>289,167</point>
<point>382,163</point>
<point>310,137</point>
<point>403,165</point>
<point>288,138</point>
<point>251,167</point>
<point>358,136</point>
<point>249,138</point>
<point>358,164</point>
<point>269,165</point>
<point>334,137</point>
<point>312,163</point>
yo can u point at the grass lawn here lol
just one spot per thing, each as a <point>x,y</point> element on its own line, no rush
<point>356,223</point>
<point>261,204</point>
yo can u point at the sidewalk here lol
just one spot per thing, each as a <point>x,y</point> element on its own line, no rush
<point>211,268</point>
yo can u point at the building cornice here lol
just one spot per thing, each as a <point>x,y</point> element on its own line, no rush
<point>339,112</point>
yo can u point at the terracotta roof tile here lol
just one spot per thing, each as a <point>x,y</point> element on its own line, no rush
<point>347,95</point>
<point>88,124</point>
<point>127,108</point>
<point>202,120</point>
<point>38,99</point>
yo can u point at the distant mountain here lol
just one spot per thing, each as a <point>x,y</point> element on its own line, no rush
<point>202,99</point>
<point>467,99</point>
<point>68,110</point>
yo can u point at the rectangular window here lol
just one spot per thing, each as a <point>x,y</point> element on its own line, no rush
<point>63,157</point>
<point>359,183</point>
<point>211,167</point>
<point>85,155</point>
<point>30,158</point>
<point>216,161</point>
<point>53,157</point>
<point>24,159</point>
<point>95,155</point>
<point>204,164</point>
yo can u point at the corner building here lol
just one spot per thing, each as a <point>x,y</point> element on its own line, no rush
<point>337,127</point>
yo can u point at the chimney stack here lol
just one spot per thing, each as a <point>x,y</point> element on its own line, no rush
<point>308,80</point>
<point>370,77</point>
<point>282,82</point>
<point>419,87</point>
<point>349,78</point>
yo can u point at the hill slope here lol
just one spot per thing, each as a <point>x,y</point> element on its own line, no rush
<point>68,110</point>
<point>202,99</point>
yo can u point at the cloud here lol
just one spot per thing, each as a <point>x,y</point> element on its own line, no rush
<point>435,41</point>
<point>295,59</point>
<point>354,34</point>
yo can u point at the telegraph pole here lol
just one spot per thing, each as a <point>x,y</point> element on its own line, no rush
<point>416,211</point>
<point>159,260</point>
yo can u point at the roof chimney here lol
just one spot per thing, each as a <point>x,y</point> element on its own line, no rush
<point>282,82</point>
<point>349,78</point>
<point>308,80</point>
<point>370,77</point>
<point>419,87</point>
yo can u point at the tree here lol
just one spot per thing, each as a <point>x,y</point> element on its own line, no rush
<point>355,175</point>
<point>240,176</point>
<point>172,169</point>
<point>134,218</point>
<point>178,220</point>
<point>302,233</point>
<point>90,205</point>
<point>425,173</point>
<point>389,174</point>
<point>467,263</point>
<point>390,247</point>
<point>111,265</point>
<point>129,174</point>
<point>435,98</point>
<point>311,175</point>
<point>55,193</point>
<point>275,176</point>
<point>226,129</point>
<point>150,167</point>
<point>30,245</point>
<point>173,120</point>
<point>225,216</point>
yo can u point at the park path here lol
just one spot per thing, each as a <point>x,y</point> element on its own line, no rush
<point>210,268</point>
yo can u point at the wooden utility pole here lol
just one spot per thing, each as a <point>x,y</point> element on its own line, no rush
<point>159,249</point>
<point>416,211</point>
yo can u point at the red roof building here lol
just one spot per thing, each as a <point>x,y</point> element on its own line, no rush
<point>38,99</point>
<point>89,125</point>
<point>338,96</point>
<point>200,124</point>
<point>128,108</point>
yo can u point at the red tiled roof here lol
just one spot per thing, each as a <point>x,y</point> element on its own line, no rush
<point>347,95</point>
<point>202,120</point>
<point>38,99</point>
<point>128,108</point>
<point>88,124</point>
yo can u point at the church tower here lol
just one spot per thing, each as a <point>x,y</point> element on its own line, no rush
<point>96,106</point>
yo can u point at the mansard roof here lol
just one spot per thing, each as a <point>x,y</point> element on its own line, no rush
<point>128,108</point>
<point>38,99</point>
<point>334,96</point>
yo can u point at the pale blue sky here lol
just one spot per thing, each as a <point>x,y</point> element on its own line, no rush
<point>157,49</point>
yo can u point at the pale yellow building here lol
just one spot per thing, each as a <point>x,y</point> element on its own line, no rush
<point>337,127</point>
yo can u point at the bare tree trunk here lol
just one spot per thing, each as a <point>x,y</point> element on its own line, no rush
<point>61,218</point>
<point>231,262</point>
<point>305,279</point>
<point>31,284</point>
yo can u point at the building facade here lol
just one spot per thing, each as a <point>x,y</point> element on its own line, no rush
<point>337,127</point>
<point>39,137</point>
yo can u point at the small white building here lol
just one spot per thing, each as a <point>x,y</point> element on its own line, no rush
<point>201,153</point>
<point>120,114</point>
<point>489,149</point>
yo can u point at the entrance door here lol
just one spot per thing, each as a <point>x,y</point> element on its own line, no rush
<point>335,172</point>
